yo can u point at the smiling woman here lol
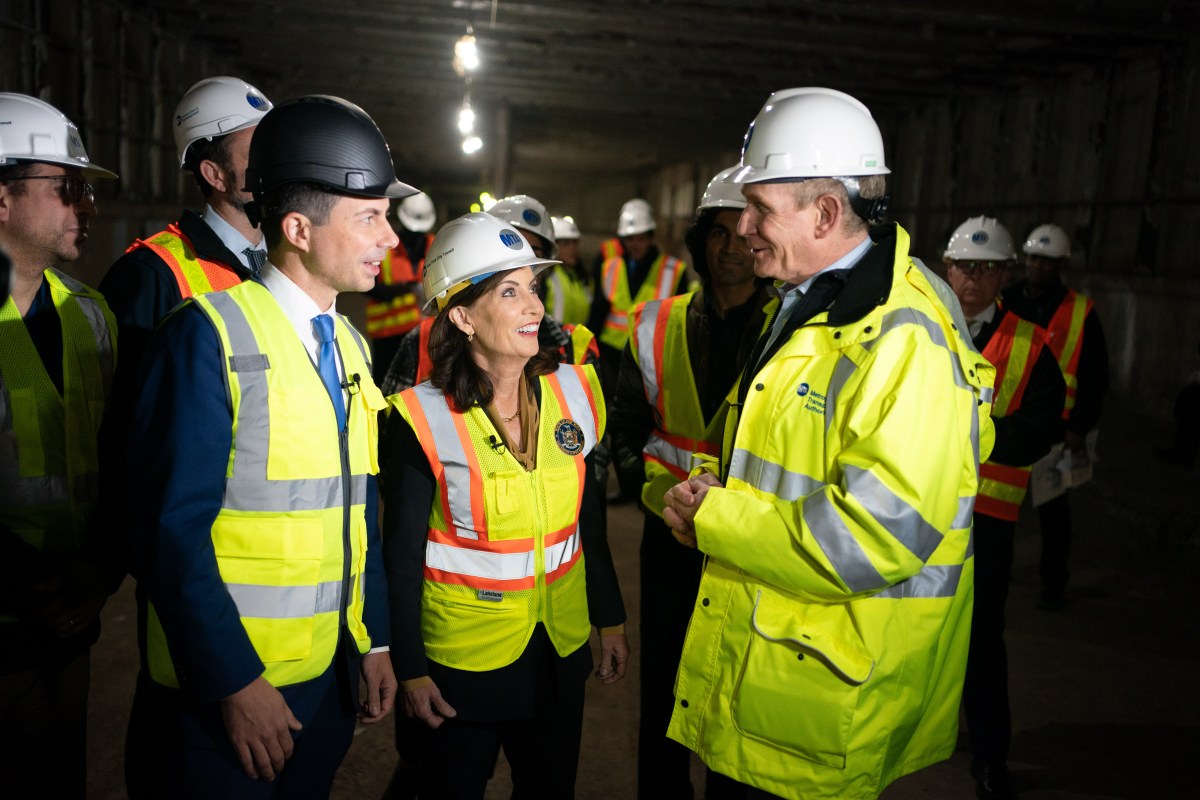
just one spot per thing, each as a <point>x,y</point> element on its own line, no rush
<point>496,554</point>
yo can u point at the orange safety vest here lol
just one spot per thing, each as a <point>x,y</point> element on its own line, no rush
<point>661,281</point>
<point>1013,349</point>
<point>194,274</point>
<point>401,314</point>
<point>611,248</point>
<point>1065,338</point>
<point>424,365</point>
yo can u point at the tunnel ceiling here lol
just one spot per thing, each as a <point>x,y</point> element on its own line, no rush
<point>589,88</point>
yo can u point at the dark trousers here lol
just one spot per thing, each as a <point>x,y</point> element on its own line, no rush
<point>456,760</point>
<point>177,748</point>
<point>1054,518</point>
<point>43,730</point>
<point>670,578</point>
<point>985,691</point>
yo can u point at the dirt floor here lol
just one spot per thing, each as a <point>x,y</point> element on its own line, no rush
<point>1106,702</point>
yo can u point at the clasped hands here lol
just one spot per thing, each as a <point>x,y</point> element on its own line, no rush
<point>683,501</point>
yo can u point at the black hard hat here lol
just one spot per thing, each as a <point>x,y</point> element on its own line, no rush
<point>323,140</point>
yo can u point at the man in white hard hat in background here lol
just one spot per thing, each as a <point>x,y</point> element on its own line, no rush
<point>638,274</point>
<point>57,565</point>
<point>684,355</point>
<point>1027,414</point>
<point>1077,341</point>
<point>251,481</point>
<point>567,287</point>
<point>394,304</point>
<point>826,650</point>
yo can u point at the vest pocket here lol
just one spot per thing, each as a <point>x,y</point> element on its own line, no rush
<point>800,684</point>
<point>271,567</point>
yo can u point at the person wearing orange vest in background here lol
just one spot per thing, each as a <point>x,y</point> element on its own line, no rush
<point>497,560</point>
<point>57,351</point>
<point>683,357</point>
<point>1027,414</point>
<point>1075,337</point>
<point>394,305</point>
<point>204,252</point>
<point>637,274</point>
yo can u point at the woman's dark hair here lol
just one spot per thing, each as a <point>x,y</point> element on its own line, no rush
<point>453,369</point>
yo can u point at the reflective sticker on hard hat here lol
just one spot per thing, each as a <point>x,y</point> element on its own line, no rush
<point>531,216</point>
<point>257,101</point>
<point>979,237</point>
<point>511,239</point>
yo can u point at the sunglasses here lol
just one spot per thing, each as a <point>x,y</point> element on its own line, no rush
<point>71,188</point>
<point>969,267</point>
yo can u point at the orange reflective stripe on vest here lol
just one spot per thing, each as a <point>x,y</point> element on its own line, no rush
<point>611,248</point>
<point>193,274</point>
<point>424,364</point>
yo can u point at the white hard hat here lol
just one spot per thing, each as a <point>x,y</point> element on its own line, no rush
<point>811,132</point>
<point>527,213</point>
<point>416,213</point>
<point>34,130</point>
<point>564,228</point>
<point>1050,241</point>
<point>980,239</point>
<point>216,107</point>
<point>469,250</point>
<point>722,194</point>
<point>636,216</point>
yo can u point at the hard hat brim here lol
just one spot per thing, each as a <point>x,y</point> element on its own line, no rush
<point>538,265</point>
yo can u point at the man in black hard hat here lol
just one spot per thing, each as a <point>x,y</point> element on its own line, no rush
<point>254,508</point>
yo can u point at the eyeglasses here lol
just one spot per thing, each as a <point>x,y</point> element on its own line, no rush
<point>72,188</point>
<point>969,267</point>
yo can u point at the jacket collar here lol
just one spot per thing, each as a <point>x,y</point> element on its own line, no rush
<point>207,244</point>
<point>869,284</point>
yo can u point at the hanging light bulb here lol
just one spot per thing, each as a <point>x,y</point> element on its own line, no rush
<point>466,118</point>
<point>472,144</point>
<point>466,54</point>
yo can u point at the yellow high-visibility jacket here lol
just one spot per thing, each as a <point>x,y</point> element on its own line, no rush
<point>827,647</point>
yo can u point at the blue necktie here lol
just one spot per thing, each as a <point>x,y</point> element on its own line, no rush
<point>256,258</point>
<point>327,366</point>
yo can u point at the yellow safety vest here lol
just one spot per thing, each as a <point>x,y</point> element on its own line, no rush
<point>1013,349</point>
<point>48,460</point>
<point>661,281</point>
<point>283,550</point>
<point>503,550</point>
<point>660,349</point>
<point>826,652</point>
<point>568,299</point>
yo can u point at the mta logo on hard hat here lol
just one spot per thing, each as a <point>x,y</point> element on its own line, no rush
<point>1044,240</point>
<point>511,239</point>
<point>257,101</point>
<point>979,237</point>
<point>531,216</point>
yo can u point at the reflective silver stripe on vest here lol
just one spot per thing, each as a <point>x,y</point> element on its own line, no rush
<point>646,355</point>
<point>451,456</point>
<point>910,316</point>
<point>560,554</point>
<point>837,381</point>
<point>285,602</point>
<point>659,448</point>
<point>570,380</point>
<point>249,489</point>
<point>962,517</point>
<point>892,512</point>
<point>842,550</point>
<point>931,581</point>
<point>479,563</point>
<point>668,277</point>
<point>769,477</point>
<point>99,326</point>
<point>986,393</point>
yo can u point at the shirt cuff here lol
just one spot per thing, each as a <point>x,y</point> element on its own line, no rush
<point>385,649</point>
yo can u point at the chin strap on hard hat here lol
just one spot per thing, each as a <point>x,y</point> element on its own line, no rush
<point>871,210</point>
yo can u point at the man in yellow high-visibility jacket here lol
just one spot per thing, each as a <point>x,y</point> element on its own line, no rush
<point>255,508</point>
<point>827,646</point>
<point>57,355</point>
<point>1027,413</point>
